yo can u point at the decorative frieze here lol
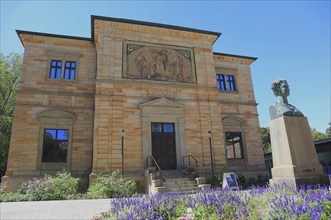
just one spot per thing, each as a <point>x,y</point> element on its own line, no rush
<point>158,62</point>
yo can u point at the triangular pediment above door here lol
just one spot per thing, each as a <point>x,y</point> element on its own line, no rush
<point>161,102</point>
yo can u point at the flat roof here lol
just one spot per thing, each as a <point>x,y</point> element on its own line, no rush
<point>152,24</point>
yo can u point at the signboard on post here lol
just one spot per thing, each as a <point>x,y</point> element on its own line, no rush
<point>230,181</point>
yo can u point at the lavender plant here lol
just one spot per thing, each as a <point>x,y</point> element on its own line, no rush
<point>255,203</point>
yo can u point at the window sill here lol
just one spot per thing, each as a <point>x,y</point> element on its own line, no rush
<point>236,163</point>
<point>59,166</point>
<point>61,80</point>
<point>229,92</point>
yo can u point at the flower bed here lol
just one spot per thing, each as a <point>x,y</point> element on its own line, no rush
<point>255,203</point>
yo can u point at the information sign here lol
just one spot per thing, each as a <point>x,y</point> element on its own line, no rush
<point>230,181</point>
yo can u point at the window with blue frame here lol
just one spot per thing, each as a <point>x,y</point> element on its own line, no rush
<point>230,82</point>
<point>56,69</point>
<point>226,82</point>
<point>70,70</point>
<point>59,71</point>
<point>220,81</point>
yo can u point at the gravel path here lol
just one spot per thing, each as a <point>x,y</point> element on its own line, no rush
<point>48,210</point>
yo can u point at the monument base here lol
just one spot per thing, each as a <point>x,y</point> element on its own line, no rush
<point>297,181</point>
<point>293,152</point>
<point>307,170</point>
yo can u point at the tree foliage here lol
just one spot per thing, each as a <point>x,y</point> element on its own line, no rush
<point>317,135</point>
<point>328,131</point>
<point>10,71</point>
<point>266,142</point>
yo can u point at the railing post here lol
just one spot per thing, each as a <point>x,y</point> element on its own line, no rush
<point>211,152</point>
<point>123,133</point>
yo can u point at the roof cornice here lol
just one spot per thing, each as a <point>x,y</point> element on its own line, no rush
<point>235,56</point>
<point>20,32</point>
<point>152,24</point>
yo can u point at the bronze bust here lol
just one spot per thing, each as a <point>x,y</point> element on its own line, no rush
<point>281,108</point>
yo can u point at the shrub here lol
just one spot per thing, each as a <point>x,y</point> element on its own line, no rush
<point>2,189</point>
<point>215,181</point>
<point>111,185</point>
<point>13,197</point>
<point>58,187</point>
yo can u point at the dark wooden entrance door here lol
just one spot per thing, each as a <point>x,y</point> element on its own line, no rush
<point>164,145</point>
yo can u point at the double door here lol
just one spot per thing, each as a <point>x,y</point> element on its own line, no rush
<point>164,145</point>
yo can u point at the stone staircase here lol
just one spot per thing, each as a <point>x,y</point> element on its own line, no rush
<point>175,181</point>
<point>184,185</point>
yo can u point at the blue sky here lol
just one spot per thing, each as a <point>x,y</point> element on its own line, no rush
<point>290,38</point>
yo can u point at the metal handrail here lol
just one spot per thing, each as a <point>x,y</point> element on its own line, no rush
<point>155,163</point>
<point>189,162</point>
<point>196,163</point>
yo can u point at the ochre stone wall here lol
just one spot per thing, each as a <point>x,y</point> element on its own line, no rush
<point>101,102</point>
<point>37,93</point>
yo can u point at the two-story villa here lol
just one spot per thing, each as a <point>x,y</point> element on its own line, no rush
<point>163,85</point>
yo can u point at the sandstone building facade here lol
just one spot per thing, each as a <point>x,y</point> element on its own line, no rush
<point>162,84</point>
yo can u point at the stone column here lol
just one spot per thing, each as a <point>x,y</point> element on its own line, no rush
<point>294,156</point>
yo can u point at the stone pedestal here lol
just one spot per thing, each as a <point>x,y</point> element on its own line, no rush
<point>294,156</point>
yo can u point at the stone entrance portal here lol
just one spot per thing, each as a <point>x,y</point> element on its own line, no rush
<point>163,132</point>
<point>164,145</point>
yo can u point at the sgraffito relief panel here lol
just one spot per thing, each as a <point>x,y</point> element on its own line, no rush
<point>158,62</point>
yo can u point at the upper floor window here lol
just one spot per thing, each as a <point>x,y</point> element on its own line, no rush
<point>225,82</point>
<point>234,149</point>
<point>220,81</point>
<point>56,69</point>
<point>231,84</point>
<point>60,71</point>
<point>70,70</point>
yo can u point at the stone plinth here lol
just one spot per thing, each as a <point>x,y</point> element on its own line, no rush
<point>294,156</point>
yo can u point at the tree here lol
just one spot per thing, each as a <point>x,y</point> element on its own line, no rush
<point>328,131</point>
<point>317,135</point>
<point>10,71</point>
<point>266,142</point>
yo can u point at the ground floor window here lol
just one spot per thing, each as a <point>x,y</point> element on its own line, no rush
<point>55,145</point>
<point>234,148</point>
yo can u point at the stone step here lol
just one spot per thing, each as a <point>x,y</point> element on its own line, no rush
<point>172,175</point>
<point>178,180</point>
<point>180,186</point>
<point>184,189</point>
